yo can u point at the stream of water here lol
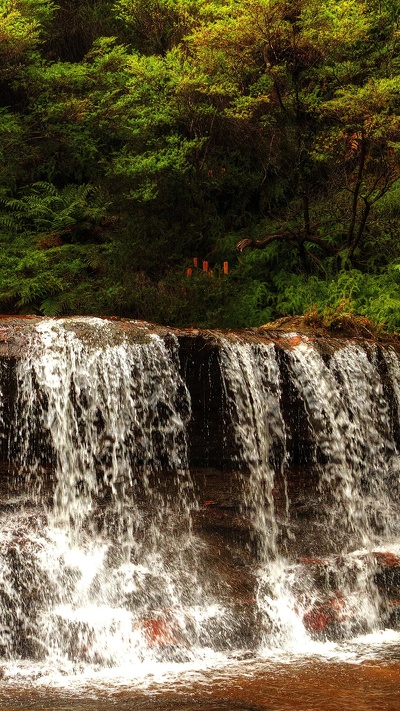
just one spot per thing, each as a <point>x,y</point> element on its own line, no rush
<point>106,594</point>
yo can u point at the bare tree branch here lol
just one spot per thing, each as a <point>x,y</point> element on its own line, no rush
<point>285,236</point>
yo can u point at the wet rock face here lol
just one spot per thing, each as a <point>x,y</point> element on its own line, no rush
<point>265,445</point>
<point>215,456</point>
<point>210,429</point>
<point>210,444</point>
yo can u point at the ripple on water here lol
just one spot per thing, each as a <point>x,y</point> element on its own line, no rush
<point>257,686</point>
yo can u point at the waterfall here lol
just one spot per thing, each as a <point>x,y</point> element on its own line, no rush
<point>354,457</point>
<point>253,389</point>
<point>125,541</point>
<point>251,377</point>
<point>357,460</point>
<point>110,413</point>
<point>102,564</point>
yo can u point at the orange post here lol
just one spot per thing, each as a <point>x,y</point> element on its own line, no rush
<point>189,271</point>
<point>205,266</point>
<point>226,267</point>
<point>195,261</point>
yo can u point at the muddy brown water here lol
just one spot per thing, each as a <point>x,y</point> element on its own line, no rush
<point>308,686</point>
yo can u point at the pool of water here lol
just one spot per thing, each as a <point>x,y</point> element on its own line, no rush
<point>362,676</point>
<point>308,686</point>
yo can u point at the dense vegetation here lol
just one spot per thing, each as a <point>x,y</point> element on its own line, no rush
<point>136,135</point>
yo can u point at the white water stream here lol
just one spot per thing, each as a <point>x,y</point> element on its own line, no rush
<point>101,571</point>
<point>334,592</point>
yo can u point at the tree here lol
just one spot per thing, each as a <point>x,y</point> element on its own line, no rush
<point>195,127</point>
<point>341,124</point>
<point>22,27</point>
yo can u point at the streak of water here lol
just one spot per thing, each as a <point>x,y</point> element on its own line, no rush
<point>102,572</point>
<point>355,457</point>
<point>108,570</point>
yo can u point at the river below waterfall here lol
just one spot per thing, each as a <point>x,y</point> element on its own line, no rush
<point>254,685</point>
<point>197,521</point>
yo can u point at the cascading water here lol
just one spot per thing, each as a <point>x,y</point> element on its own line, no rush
<point>111,413</point>
<point>253,390</point>
<point>358,463</point>
<point>100,565</point>
<point>332,591</point>
<point>106,558</point>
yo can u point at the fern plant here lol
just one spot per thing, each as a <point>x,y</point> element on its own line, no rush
<point>44,208</point>
<point>52,244</point>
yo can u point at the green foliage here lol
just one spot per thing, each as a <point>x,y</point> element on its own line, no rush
<point>136,134</point>
<point>76,25</point>
<point>22,26</point>
<point>51,248</point>
<point>156,26</point>
<point>46,210</point>
<point>31,278</point>
<point>375,296</point>
<point>389,206</point>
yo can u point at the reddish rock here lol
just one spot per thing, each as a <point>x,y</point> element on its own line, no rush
<point>387,560</point>
<point>312,561</point>
<point>324,615</point>
<point>159,632</point>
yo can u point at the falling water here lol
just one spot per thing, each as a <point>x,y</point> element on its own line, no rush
<point>103,563</point>
<point>357,460</point>
<point>251,376</point>
<point>110,413</point>
<point>101,566</point>
<point>333,590</point>
<point>253,389</point>
<point>349,418</point>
